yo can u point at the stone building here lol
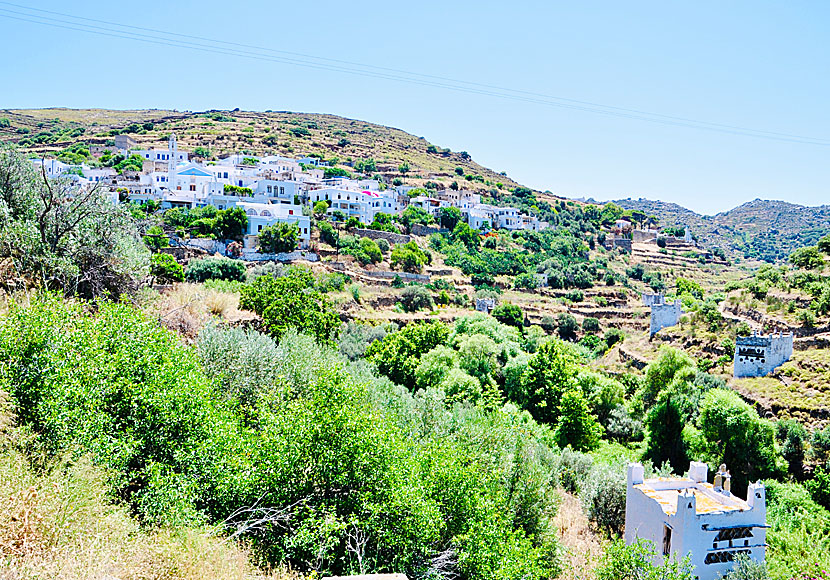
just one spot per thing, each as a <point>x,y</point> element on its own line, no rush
<point>664,314</point>
<point>689,516</point>
<point>758,355</point>
<point>485,305</point>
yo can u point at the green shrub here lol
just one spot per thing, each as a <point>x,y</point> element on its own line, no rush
<point>566,326</point>
<point>278,238</point>
<point>165,268</point>
<point>603,496</point>
<point>292,302</point>
<point>590,324</point>
<point>509,314</point>
<point>215,269</point>
<point>576,427</point>
<point>409,257</point>
<point>525,281</point>
<point>634,562</point>
<point>414,298</point>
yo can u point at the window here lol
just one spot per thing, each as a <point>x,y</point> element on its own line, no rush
<point>282,191</point>
<point>192,187</point>
<point>259,229</point>
<point>290,212</point>
<point>305,230</point>
<point>666,540</point>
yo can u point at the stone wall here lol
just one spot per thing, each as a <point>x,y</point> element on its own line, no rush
<point>421,230</point>
<point>386,274</point>
<point>665,315</point>
<point>254,256</point>
<point>206,244</point>
<point>652,299</point>
<point>758,355</point>
<point>392,237</point>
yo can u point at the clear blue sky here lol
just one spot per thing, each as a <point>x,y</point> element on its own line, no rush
<point>762,65</point>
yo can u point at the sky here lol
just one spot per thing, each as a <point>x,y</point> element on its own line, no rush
<point>757,65</point>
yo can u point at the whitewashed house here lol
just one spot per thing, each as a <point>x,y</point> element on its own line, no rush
<point>262,215</point>
<point>364,205</point>
<point>688,516</point>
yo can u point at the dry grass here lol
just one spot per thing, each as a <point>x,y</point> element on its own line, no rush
<point>58,522</point>
<point>584,548</point>
<point>186,308</point>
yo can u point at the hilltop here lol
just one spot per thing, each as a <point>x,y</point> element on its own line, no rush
<point>761,229</point>
<point>341,141</point>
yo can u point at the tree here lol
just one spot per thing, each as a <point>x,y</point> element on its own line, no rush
<point>590,324</point>
<point>567,326</point>
<point>671,364</point>
<point>733,434</point>
<point>509,314</point>
<point>576,426</point>
<point>466,235</point>
<point>292,301</point>
<point>808,258</point>
<point>369,247</point>
<point>403,168</point>
<point>550,372</point>
<point>791,435</point>
<point>68,237</point>
<point>414,298</point>
<point>449,217</point>
<point>279,238</point>
<point>414,215</point>
<point>215,269</point>
<point>409,257</point>
<point>685,286</point>
<point>231,223</point>
<point>398,354</point>
<point>320,209</point>
<point>155,238</point>
<point>665,424</point>
<point>824,244</point>
<point>165,268</point>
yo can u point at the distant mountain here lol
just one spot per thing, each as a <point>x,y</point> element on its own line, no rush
<point>762,229</point>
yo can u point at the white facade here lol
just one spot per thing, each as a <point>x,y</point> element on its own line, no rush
<point>689,516</point>
<point>759,355</point>
<point>431,205</point>
<point>364,205</point>
<point>261,215</point>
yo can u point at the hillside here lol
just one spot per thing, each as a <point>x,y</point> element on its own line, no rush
<point>343,141</point>
<point>761,229</point>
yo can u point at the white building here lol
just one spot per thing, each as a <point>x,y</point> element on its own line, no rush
<point>689,516</point>
<point>431,205</point>
<point>171,154</point>
<point>364,205</point>
<point>53,167</point>
<point>758,355</point>
<point>261,215</point>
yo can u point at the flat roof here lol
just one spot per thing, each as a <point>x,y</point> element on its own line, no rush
<point>707,499</point>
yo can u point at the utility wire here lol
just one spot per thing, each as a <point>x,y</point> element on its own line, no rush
<point>159,37</point>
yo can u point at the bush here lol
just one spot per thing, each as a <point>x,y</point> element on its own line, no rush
<point>745,568</point>
<point>576,426</point>
<point>398,354</point>
<point>612,336</point>
<point>356,338</point>
<point>566,326</point>
<point>571,469</point>
<point>292,302</point>
<point>434,367</point>
<point>634,562</point>
<point>482,280</point>
<point>165,269</point>
<point>279,238</point>
<point>409,257</point>
<point>414,298</point>
<point>215,269</point>
<point>590,324</point>
<point>603,497</point>
<point>509,314</point>
<point>525,281</point>
<point>808,258</point>
<point>371,250</point>
<point>383,245</point>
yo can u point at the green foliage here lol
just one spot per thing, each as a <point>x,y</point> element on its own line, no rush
<point>671,364</point>
<point>665,422</point>
<point>732,433</point>
<point>291,301</point>
<point>808,258</point>
<point>550,373</point>
<point>685,286</point>
<point>64,237</point>
<point>320,209</point>
<point>155,238</point>
<point>414,298</point>
<point>434,367</point>
<point>202,152</point>
<point>525,281</point>
<point>414,215</point>
<point>408,257</point>
<point>576,426</point>
<point>278,238</point>
<point>398,354</point>
<point>165,269</point>
<point>356,338</point>
<point>371,250</point>
<point>792,436</point>
<point>449,217</point>
<point>590,324</point>
<point>824,244</point>
<point>566,326</point>
<point>238,190</point>
<point>509,314</point>
<point>602,492</point>
<point>633,562</point>
<point>382,222</point>
<point>215,269</point>
<point>366,166</point>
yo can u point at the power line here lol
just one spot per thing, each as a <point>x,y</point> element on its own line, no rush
<point>159,37</point>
